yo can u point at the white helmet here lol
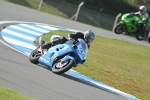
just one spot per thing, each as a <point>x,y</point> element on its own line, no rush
<point>89,36</point>
<point>142,9</point>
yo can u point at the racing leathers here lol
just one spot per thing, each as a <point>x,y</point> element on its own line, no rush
<point>144,18</point>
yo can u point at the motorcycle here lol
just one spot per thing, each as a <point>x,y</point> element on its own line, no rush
<point>130,24</point>
<point>61,57</point>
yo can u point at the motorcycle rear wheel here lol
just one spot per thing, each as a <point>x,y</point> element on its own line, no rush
<point>142,36</point>
<point>149,40</point>
<point>59,68</point>
<point>34,56</point>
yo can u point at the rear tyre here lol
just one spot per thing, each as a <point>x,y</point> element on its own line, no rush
<point>149,40</point>
<point>34,56</point>
<point>142,36</point>
<point>59,68</point>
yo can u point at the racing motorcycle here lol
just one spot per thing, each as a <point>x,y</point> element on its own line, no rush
<point>61,57</point>
<point>130,24</point>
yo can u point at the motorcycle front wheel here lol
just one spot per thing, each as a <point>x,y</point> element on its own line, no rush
<point>119,28</point>
<point>60,67</point>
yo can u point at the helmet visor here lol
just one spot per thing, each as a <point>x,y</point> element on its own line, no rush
<point>142,10</point>
<point>89,40</point>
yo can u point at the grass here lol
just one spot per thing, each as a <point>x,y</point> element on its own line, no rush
<point>117,63</point>
<point>7,94</point>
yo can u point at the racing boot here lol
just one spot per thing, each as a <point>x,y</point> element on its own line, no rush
<point>41,40</point>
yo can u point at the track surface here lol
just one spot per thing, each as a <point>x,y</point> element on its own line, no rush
<point>17,73</point>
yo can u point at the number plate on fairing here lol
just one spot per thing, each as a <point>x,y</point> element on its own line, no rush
<point>81,52</point>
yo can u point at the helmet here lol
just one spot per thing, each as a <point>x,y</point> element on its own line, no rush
<point>142,9</point>
<point>89,36</point>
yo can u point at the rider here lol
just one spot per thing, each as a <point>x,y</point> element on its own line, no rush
<point>143,15</point>
<point>88,36</point>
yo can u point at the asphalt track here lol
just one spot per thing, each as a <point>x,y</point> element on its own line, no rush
<point>17,73</point>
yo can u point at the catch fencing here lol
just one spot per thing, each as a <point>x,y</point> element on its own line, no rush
<point>87,16</point>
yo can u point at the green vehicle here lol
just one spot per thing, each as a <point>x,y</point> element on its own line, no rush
<point>129,24</point>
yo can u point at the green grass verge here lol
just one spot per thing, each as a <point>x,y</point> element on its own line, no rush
<point>7,94</point>
<point>121,64</point>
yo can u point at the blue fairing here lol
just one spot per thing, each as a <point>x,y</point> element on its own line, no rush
<point>79,51</point>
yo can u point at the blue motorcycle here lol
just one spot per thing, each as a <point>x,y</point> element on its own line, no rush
<point>61,57</point>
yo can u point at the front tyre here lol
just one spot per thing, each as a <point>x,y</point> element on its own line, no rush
<point>60,67</point>
<point>119,28</point>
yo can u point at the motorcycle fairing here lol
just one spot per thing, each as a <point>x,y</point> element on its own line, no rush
<point>79,51</point>
<point>128,21</point>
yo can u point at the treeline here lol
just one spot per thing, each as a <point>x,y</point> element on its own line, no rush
<point>112,7</point>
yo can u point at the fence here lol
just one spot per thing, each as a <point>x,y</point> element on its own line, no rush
<point>66,10</point>
<point>86,16</point>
